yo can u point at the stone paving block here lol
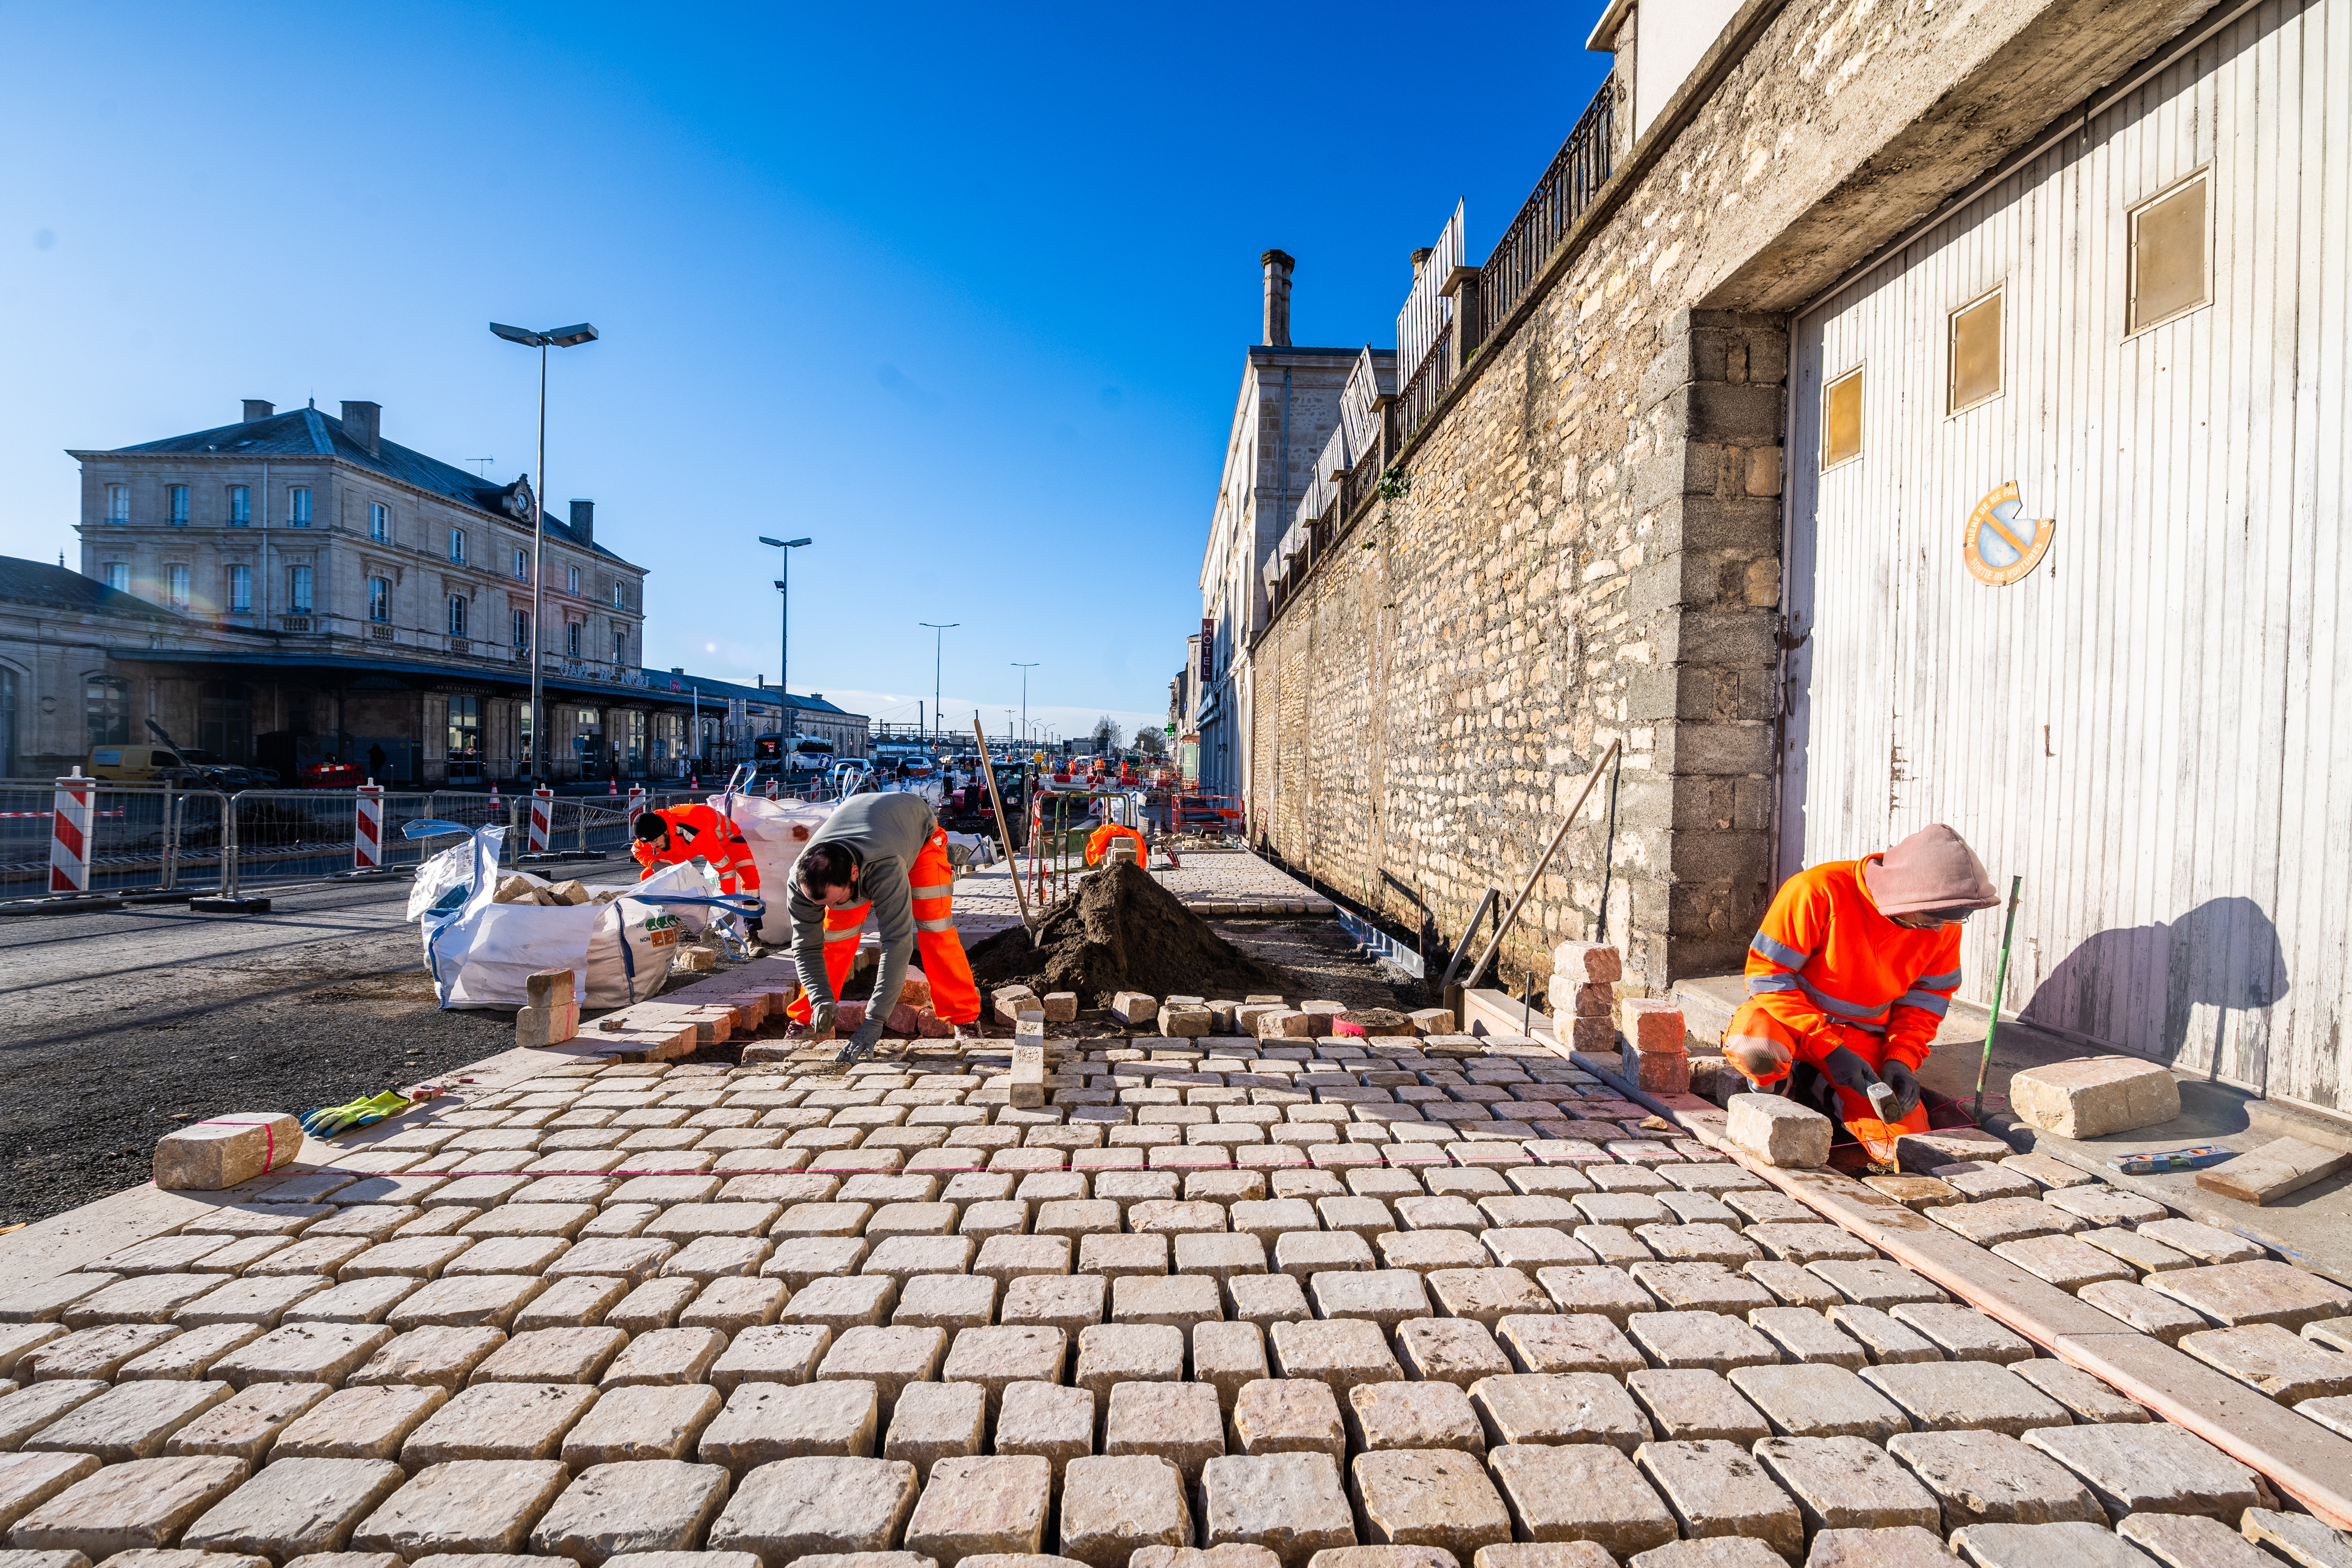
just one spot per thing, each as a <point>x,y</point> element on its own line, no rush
<point>1704,1244</point>
<point>1700,1287</point>
<point>2144,1309</point>
<point>409,1256</point>
<point>296,1507</point>
<point>1226,1356</point>
<point>1876,1283</point>
<point>244,1426</point>
<point>732,1304</point>
<point>1588,1494</point>
<point>1302,1254</point>
<point>532,1220</point>
<point>995,1358</point>
<point>44,1302</point>
<point>1963,1333</point>
<point>1068,1302</point>
<point>658,1505</point>
<point>1778,1131</point>
<point>841,1304</point>
<point>800,1508</point>
<point>2044,1546</point>
<point>62,1560</point>
<point>1449,1350</point>
<point>936,1421</point>
<point>2153,1466</point>
<point>641,1422</point>
<point>354,1302</point>
<point>1341,1353</point>
<point>1413,1416</point>
<point>656,1304</point>
<point>1810,1241</point>
<point>1176,1301</point>
<point>1691,1406</point>
<point>509,1255</point>
<point>1716,1488</point>
<point>1582,1341</point>
<point>498,1421</point>
<point>1996,1220</point>
<point>552,1355</point>
<point>140,1299</point>
<point>709,1257</point>
<point>949,1302</point>
<point>802,1261</point>
<point>1889,1343</point>
<point>27,1480</point>
<point>1110,1353</point>
<point>1288,1415</point>
<point>1989,1477</point>
<point>1265,1298</point>
<point>1804,1335</point>
<point>634,1259</point>
<point>888,1358</point>
<point>18,1341</point>
<point>1116,1256</point>
<point>1384,1296</point>
<point>1292,1504</point>
<point>1972,1394</point>
<point>1115,1507</point>
<point>304,1353</point>
<point>358,1424</point>
<point>444,1357</point>
<point>2237,1294</point>
<point>1610,1244</point>
<point>2090,1399</point>
<point>1709,1341</point>
<point>765,1422</point>
<point>901,1257</point>
<point>1532,1248</point>
<point>1522,1408</point>
<point>129,1421</point>
<point>2065,1261</point>
<point>2207,1244</point>
<point>2298,1538</point>
<point>145,1504</point>
<point>463,1506</point>
<point>1429,1498</point>
<point>2192,1541</point>
<point>2144,1254</point>
<point>1485,1295</point>
<point>1847,1483</point>
<point>481,1300</point>
<point>98,1352</point>
<point>1054,1421</point>
<point>1817,1401</point>
<point>1599,1289</point>
<point>977,1506</point>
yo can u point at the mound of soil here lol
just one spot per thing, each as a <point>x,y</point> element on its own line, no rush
<point>1124,931</point>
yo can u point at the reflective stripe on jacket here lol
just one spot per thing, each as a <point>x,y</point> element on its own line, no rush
<point>1825,960</point>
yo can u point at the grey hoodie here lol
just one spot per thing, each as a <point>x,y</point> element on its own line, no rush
<point>885,832</point>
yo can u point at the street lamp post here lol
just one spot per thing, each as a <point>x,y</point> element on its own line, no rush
<point>784,637</point>
<point>559,338</point>
<point>937,645</point>
<point>1024,669</point>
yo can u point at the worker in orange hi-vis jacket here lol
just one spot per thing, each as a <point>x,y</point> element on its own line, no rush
<point>1851,972</point>
<point>681,833</point>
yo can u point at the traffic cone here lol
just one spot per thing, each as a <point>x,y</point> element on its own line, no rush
<point>613,784</point>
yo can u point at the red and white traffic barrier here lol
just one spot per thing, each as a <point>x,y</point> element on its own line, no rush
<point>70,835</point>
<point>542,817</point>
<point>637,806</point>
<point>367,828</point>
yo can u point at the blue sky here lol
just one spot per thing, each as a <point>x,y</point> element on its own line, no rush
<point>961,294</point>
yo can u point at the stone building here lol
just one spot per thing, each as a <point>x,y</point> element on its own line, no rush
<point>1745,449</point>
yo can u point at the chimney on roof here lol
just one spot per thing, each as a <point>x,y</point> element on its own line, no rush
<point>1420,254</point>
<point>677,670</point>
<point>1277,266</point>
<point>257,409</point>
<point>363,422</point>
<point>583,520</point>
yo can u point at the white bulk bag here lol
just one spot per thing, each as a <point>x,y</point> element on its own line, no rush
<point>767,828</point>
<point>637,934</point>
<point>482,953</point>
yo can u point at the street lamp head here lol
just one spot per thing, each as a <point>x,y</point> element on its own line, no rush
<point>796,543</point>
<point>522,335</point>
<point>778,583</point>
<point>562,337</point>
<point>573,337</point>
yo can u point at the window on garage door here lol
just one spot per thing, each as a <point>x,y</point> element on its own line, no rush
<point>2169,276</point>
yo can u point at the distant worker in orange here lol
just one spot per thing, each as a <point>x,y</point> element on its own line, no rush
<point>677,834</point>
<point>1851,975</point>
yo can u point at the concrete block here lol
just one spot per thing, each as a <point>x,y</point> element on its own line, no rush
<point>800,1508</point>
<point>471,1506</point>
<point>1778,1131</point>
<point>1291,1503</point>
<point>2094,1096</point>
<point>655,1505</point>
<point>227,1151</point>
<point>1116,1506</point>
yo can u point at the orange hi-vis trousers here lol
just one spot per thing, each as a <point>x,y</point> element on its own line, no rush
<point>955,997</point>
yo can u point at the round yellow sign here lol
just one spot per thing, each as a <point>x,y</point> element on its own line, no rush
<point>2002,546</point>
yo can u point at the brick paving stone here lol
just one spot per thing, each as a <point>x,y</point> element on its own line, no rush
<point>1582,1341</point>
<point>1989,1477</point>
<point>1384,1296</point>
<point>765,1422</point>
<point>2236,1294</point>
<point>145,1504</point>
<point>1116,1256</point>
<point>358,1424</point>
<point>654,1505</point>
<point>1053,1421</point>
<point>1176,1301</point>
<point>1700,1287</point>
<point>444,1357</point>
<point>304,1353</point>
<point>801,1262</point>
<point>888,1358</point>
<point>1449,1350</point>
<point>1716,1488</point>
<point>995,1358</point>
<point>463,1506</point>
<point>656,1304</point>
<point>140,1299</point>
<point>1876,1284</point>
<point>1289,1416</point>
<point>1575,1492</point>
<point>498,1421</point>
<point>93,1352</point>
<point>634,1259</point>
<point>1595,1288</point>
<point>2207,1244</point>
<point>1847,1483</point>
<point>1972,1394</point>
<point>1690,1405</point>
<point>1709,1341</point>
<point>27,1480</point>
<point>129,1420</point>
<point>2063,1260</point>
<point>1110,1353</point>
<point>2144,1309</point>
<point>2078,1391</point>
<point>798,1508</point>
<point>1118,1506</point>
<point>664,1356</point>
<point>2144,1254</point>
<point>1804,1335</point>
<point>1413,1416</point>
<point>244,1426</point>
<point>2045,1546</point>
<point>1292,1504</point>
<point>2152,1465</point>
<point>296,1507</point>
<point>949,1302</point>
<point>552,1355</point>
<point>1817,1400</point>
<point>1070,1302</point>
<point>1889,1343</point>
<point>842,1305</point>
<point>1265,1298</point>
<point>1963,1333</point>
<point>1523,1409</point>
<point>642,1422</point>
<point>1429,1498</point>
<point>935,1421</point>
<point>474,1300</point>
<point>1341,1353</point>
<point>2192,1541</point>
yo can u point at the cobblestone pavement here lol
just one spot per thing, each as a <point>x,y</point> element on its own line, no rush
<point>1282,1297</point>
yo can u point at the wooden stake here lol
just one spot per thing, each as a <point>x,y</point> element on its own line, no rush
<point>1004,833</point>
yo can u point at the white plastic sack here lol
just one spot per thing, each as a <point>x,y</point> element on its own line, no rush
<point>630,951</point>
<point>482,953</point>
<point>767,828</point>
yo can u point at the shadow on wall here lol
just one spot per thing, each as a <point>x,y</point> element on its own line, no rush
<point>2137,988</point>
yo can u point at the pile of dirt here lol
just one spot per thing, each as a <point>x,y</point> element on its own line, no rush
<point>1124,931</point>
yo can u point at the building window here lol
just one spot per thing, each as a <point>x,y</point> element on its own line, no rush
<point>2169,276</point>
<point>118,503</point>
<point>298,590</point>
<point>1975,353</point>
<point>456,614</point>
<point>175,505</point>
<point>1842,419</point>
<point>240,590</point>
<point>572,579</point>
<point>379,599</point>
<point>458,546</point>
<point>522,628</point>
<point>118,575</point>
<point>175,586</point>
<point>465,747</point>
<point>106,703</point>
<point>620,595</point>
<point>297,508</point>
<point>522,566</point>
<point>241,506</point>
<point>572,638</point>
<point>620,647</point>
<point>379,522</point>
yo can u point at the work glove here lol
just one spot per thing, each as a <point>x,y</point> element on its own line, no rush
<point>1846,1070</point>
<point>822,1016</point>
<point>1897,1077</point>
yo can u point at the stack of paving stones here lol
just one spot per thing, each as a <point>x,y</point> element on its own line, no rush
<point>1420,1302</point>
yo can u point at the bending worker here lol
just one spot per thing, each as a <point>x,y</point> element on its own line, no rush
<point>681,833</point>
<point>1852,972</point>
<point>883,853</point>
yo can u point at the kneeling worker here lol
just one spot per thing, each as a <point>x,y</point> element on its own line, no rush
<point>1851,972</point>
<point>883,853</point>
<point>681,833</point>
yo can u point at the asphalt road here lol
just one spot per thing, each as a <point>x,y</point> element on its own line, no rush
<point>118,1026</point>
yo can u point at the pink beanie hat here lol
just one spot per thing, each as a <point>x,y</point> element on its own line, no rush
<point>1932,869</point>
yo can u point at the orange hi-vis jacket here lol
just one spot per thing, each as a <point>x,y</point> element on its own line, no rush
<point>1832,971</point>
<point>697,832</point>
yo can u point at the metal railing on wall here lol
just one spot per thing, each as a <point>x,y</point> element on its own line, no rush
<point>1577,173</point>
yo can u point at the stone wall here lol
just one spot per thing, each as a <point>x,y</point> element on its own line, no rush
<point>1590,550</point>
